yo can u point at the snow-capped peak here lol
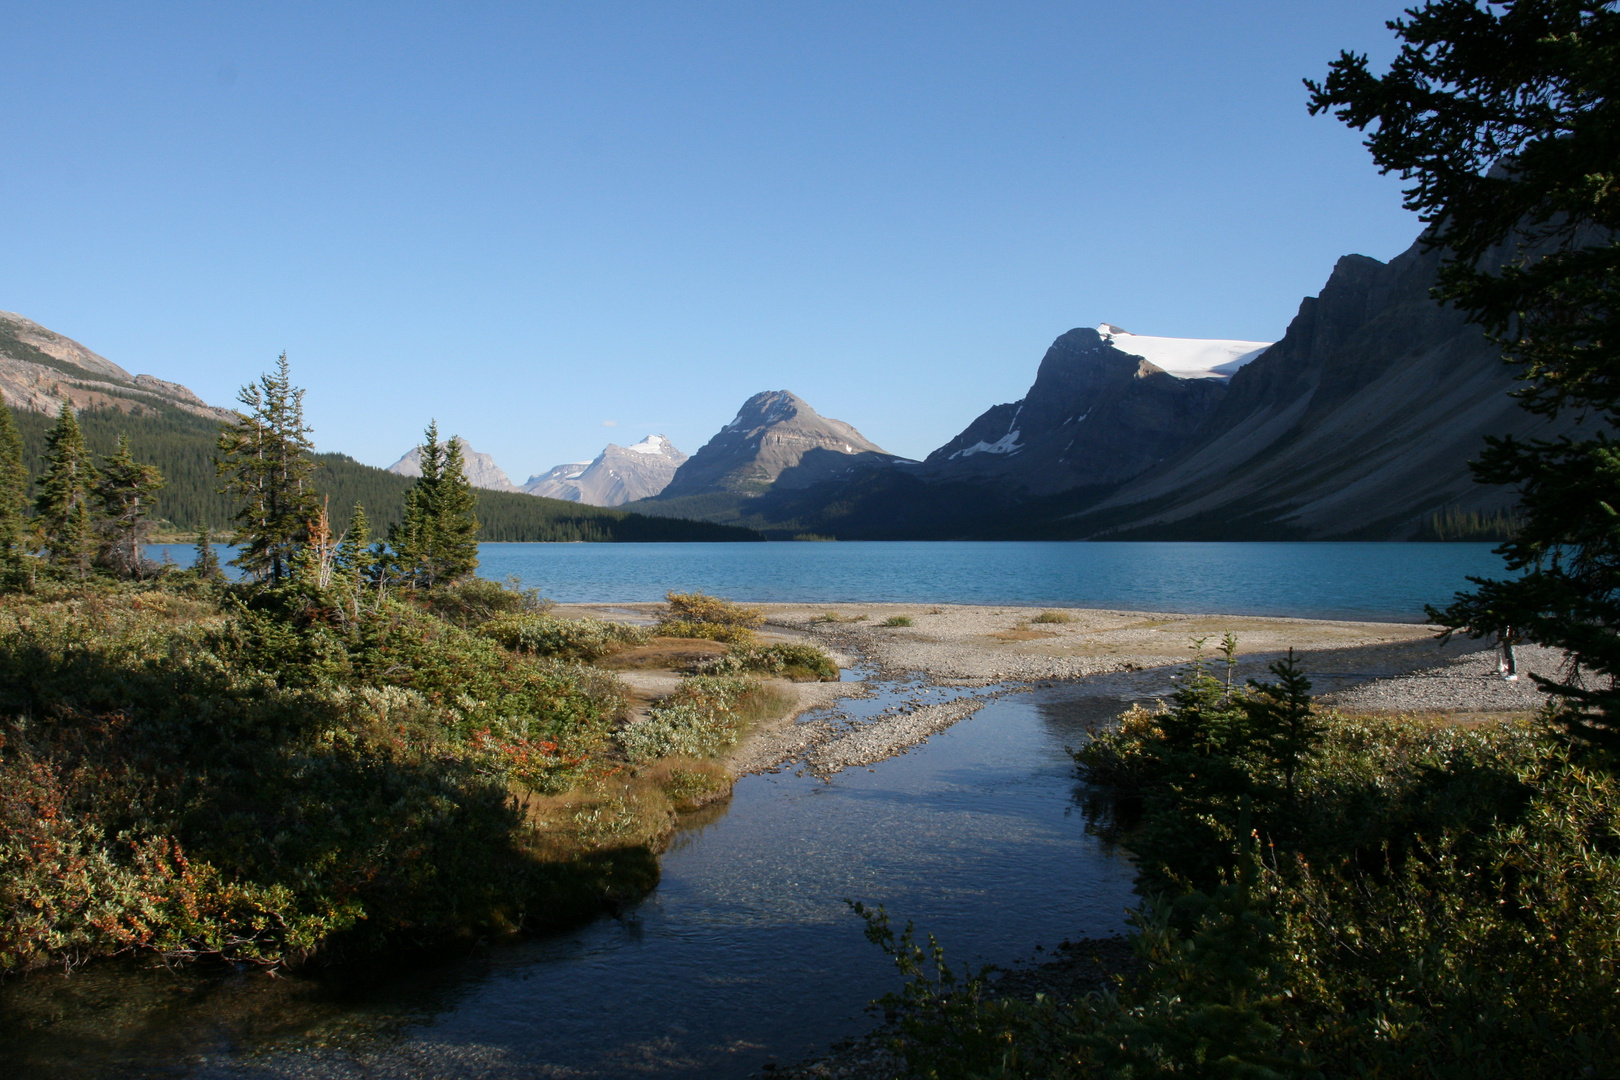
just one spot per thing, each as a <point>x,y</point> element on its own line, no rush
<point>1186,358</point>
<point>652,444</point>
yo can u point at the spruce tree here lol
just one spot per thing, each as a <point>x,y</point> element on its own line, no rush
<point>1504,117</point>
<point>13,495</point>
<point>125,492</point>
<point>63,504</point>
<point>354,556</point>
<point>267,461</point>
<point>412,541</point>
<point>206,565</point>
<point>455,520</point>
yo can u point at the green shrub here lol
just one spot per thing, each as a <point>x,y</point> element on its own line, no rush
<point>1053,617</point>
<point>1329,896</point>
<point>569,639</point>
<point>474,600</point>
<point>696,615</point>
<point>253,778</point>
<point>799,662</point>
<point>898,620</point>
<point>705,716</point>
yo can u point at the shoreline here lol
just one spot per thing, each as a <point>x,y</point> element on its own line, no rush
<point>951,660</point>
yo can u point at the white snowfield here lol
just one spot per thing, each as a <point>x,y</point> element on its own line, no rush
<point>1186,358</point>
<point>652,444</point>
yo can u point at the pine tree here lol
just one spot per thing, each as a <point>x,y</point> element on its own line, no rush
<point>412,542</point>
<point>124,492</point>
<point>63,503</point>
<point>266,458</point>
<point>206,565</point>
<point>455,520</point>
<point>13,495</point>
<point>354,556</point>
<point>1504,117</point>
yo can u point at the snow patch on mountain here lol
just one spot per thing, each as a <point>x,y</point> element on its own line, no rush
<point>1007,444</point>
<point>1186,358</point>
<point>619,474</point>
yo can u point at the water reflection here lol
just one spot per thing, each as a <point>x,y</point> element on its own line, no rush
<point>745,953</point>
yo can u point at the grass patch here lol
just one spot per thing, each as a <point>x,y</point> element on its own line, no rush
<point>898,620</point>
<point>1053,617</point>
<point>667,654</point>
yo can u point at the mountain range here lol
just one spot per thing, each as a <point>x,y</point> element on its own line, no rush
<point>174,429</point>
<point>1357,424</point>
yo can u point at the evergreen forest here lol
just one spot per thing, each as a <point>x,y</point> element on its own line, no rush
<point>182,446</point>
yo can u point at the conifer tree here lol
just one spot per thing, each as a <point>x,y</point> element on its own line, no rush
<point>125,492</point>
<point>354,556</point>
<point>411,541</point>
<point>207,561</point>
<point>13,494</point>
<point>267,460</point>
<point>455,520</point>
<point>63,503</point>
<point>1503,118</point>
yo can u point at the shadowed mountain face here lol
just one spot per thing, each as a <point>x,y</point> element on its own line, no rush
<point>619,474</point>
<point>40,369</point>
<point>1095,415</point>
<point>1358,423</point>
<point>776,441</point>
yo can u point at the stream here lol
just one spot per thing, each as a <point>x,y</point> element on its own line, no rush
<point>745,954</point>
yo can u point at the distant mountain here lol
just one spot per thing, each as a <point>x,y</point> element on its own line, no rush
<point>479,469</point>
<point>1358,424</point>
<point>177,431</point>
<point>776,440</point>
<point>1096,414</point>
<point>40,369</point>
<point>619,474</point>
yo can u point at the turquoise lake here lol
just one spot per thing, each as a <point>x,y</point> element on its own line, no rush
<point>1374,581</point>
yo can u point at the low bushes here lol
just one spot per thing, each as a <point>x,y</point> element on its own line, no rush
<point>706,715</point>
<point>695,615</point>
<point>1328,896</point>
<point>898,620</point>
<point>799,662</point>
<point>571,639</point>
<point>269,777</point>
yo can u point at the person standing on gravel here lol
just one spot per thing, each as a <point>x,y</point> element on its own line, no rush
<point>1507,665</point>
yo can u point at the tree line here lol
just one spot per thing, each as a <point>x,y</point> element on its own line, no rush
<point>81,517</point>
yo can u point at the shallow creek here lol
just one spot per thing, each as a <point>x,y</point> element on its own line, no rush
<point>744,955</point>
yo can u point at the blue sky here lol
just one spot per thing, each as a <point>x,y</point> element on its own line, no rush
<point>551,226</point>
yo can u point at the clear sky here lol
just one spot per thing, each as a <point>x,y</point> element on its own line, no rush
<point>551,226</point>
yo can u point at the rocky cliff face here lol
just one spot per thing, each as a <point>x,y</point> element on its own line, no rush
<point>619,474</point>
<point>1359,422</point>
<point>40,369</point>
<point>1095,415</point>
<point>479,469</point>
<point>776,441</point>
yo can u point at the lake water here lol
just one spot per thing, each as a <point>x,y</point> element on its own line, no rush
<point>746,953</point>
<point>1320,580</point>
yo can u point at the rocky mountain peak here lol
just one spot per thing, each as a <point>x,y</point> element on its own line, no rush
<point>479,469</point>
<point>619,474</point>
<point>1096,414</point>
<point>775,438</point>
